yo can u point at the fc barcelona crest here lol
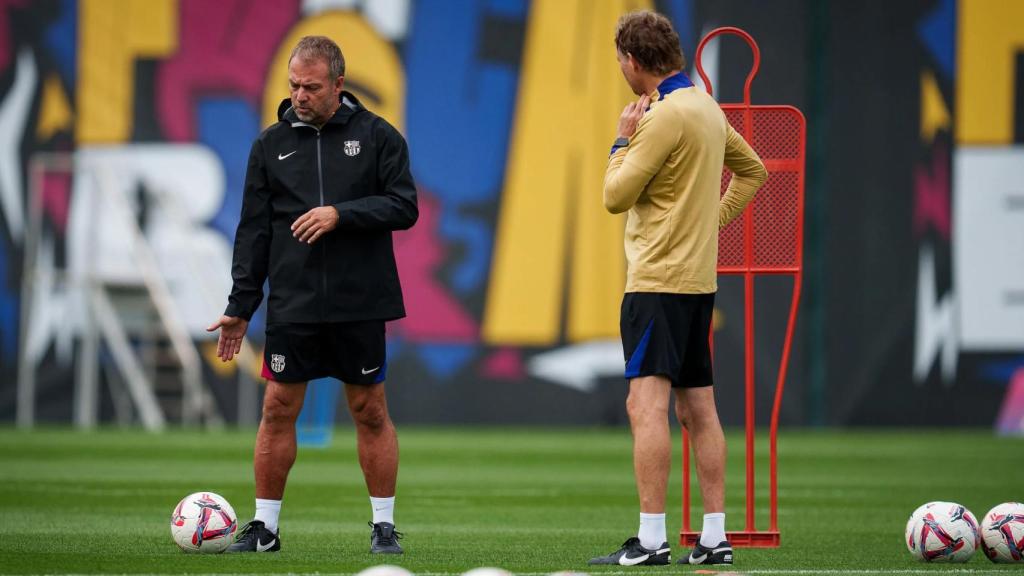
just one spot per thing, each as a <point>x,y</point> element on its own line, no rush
<point>277,362</point>
<point>352,147</point>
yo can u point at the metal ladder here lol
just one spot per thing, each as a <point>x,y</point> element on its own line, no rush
<point>138,322</point>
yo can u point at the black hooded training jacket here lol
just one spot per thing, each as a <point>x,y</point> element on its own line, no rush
<point>357,163</point>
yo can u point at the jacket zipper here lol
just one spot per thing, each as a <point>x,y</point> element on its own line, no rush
<point>323,241</point>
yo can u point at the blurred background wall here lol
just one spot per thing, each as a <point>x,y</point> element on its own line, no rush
<point>125,127</point>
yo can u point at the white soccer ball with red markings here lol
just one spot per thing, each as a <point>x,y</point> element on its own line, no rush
<point>1002,533</point>
<point>942,532</point>
<point>915,516</point>
<point>910,533</point>
<point>203,522</point>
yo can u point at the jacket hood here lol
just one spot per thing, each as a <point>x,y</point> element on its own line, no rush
<point>350,106</point>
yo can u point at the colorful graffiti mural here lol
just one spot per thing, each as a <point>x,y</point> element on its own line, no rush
<point>513,275</point>
<point>967,208</point>
<point>167,95</point>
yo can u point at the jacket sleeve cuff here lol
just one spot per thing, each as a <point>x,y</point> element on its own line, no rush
<point>235,311</point>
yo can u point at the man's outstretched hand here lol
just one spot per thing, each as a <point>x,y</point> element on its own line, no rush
<point>232,330</point>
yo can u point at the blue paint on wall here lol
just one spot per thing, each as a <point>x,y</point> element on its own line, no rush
<point>681,14</point>
<point>443,361</point>
<point>8,308</point>
<point>228,126</point>
<point>459,115</point>
<point>62,40</point>
<point>938,32</point>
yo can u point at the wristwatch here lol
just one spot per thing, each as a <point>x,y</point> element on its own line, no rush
<point>621,142</point>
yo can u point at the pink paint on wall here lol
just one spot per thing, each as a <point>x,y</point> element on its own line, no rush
<point>504,364</point>
<point>434,315</point>
<point>1011,416</point>
<point>57,199</point>
<point>224,48</point>
<point>931,195</point>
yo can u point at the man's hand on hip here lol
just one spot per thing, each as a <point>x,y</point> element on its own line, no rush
<point>631,115</point>
<point>232,330</point>
<point>315,223</point>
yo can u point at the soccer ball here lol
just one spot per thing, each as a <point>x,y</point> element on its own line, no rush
<point>910,533</point>
<point>385,570</point>
<point>487,571</point>
<point>1002,533</point>
<point>203,522</point>
<point>914,517</point>
<point>942,532</point>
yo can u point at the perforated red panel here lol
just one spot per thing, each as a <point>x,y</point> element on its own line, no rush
<point>777,135</point>
<point>778,132</point>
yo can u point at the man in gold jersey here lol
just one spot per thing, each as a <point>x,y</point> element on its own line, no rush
<point>665,172</point>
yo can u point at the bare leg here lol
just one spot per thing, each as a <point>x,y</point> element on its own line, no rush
<point>376,439</point>
<point>275,440</point>
<point>647,406</point>
<point>696,410</point>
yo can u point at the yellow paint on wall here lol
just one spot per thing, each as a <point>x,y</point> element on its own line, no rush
<point>222,369</point>
<point>990,34</point>
<point>934,113</point>
<point>373,70</point>
<point>254,369</point>
<point>557,252</point>
<point>113,34</point>
<point>54,109</point>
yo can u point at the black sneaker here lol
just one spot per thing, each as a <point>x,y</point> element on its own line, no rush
<point>633,554</point>
<point>721,554</point>
<point>255,537</point>
<point>384,539</point>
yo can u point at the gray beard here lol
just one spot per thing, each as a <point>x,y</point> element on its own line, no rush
<point>313,118</point>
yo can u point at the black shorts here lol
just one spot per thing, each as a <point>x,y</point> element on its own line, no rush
<point>353,352</point>
<point>667,335</point>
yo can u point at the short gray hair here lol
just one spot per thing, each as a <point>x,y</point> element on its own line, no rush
<point>312,48</point>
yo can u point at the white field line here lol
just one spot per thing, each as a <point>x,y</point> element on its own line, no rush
<point>718,571</point>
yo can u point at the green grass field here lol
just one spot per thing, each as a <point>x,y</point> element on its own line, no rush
<point>530,501</point>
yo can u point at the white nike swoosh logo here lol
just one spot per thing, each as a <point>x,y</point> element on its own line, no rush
<point>694,559</point>
<point>365,371</point>
<point>264,547</point>
<point>283,156</point>
<point>632,561</point>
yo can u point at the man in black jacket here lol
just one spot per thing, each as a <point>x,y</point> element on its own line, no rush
<point>325,187</point>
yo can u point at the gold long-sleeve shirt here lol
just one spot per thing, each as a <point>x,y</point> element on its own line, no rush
<point>668,179</point>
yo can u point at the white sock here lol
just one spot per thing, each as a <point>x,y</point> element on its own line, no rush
<point>652,530</point>
<point>267,512</point>
<point>713,532</point>
<point>383,509</point>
